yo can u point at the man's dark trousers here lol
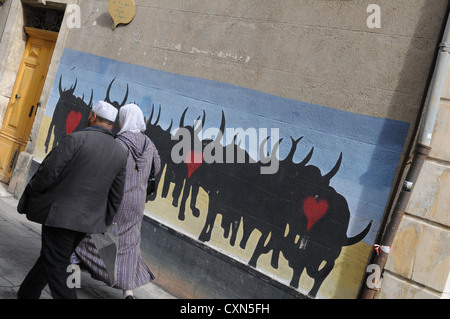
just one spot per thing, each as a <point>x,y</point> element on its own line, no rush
<point>51,267</point>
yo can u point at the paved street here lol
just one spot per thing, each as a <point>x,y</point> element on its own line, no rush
<point>19,248</point>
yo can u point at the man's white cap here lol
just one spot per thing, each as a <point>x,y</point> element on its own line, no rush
<point>105,110</point>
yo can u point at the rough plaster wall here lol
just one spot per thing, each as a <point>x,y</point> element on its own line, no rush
<point>321,52</point>
<point>13,43</point>
<point>4,11</point>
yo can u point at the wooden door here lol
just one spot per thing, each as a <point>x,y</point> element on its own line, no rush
<point>24,101</point>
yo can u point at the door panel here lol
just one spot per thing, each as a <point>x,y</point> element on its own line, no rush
<point>23,104</point>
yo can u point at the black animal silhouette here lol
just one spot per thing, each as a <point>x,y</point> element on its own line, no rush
<point>296,210</point>
<point>193,162</point>
<point>70,115</point>
<point>116,104</point>
<point>162,140</point>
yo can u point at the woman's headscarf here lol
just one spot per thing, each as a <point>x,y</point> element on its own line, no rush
<point>131,118</point>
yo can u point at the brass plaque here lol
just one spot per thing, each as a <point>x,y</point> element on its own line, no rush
<point>122,11</point>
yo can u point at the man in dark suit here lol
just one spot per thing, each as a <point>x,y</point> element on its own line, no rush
<point>76,190</point>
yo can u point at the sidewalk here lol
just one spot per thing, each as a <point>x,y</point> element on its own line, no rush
<point>20,243</point>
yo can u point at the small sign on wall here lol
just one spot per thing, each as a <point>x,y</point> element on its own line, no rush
<point>122,11</point>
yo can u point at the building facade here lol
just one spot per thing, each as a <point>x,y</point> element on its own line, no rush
<point>285,129</point>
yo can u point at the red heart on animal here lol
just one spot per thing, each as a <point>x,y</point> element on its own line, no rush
<point>72,121</point>
<point>314,210</point>
<point>193,162</point>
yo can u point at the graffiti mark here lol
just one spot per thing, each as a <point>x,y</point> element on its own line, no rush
<point>72,121</point>
<point>193,162</point>
<point>314,210</point>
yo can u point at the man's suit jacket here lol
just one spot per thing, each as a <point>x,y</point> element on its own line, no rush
<point>79,185</point>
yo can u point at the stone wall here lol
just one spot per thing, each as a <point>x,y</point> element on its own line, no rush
<point>419,264</point>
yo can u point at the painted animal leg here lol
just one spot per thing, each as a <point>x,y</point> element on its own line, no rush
<point>319,277</point>
<point>186,190</point>
<point>195,210</point>
<point>205,235</point>
<point>176,193</point>
<point>259,250</point>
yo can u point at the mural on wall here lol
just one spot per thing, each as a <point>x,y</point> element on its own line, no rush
<point>331,171</point>
<point>295,209</point>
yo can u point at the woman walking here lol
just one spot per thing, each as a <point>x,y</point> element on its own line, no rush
<point>131,271</point>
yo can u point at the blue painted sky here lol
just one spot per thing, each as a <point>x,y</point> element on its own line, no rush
<point>371,146</point>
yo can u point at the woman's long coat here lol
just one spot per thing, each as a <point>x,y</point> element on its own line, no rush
<point>131,271</point>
